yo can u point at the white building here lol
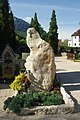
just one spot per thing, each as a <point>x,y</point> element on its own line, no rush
<point>75,39</point>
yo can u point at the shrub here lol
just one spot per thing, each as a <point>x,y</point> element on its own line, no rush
<point>14,103</point>
<point>32,99</point>
<point>17,103</point>
<point>52,99</point>
<point>7,103</point>
<point>29,100</point>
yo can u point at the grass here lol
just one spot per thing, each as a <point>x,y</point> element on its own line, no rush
<point>77,60</point>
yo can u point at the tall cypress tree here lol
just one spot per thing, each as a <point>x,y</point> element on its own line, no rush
<point>6,25</point>
<point>52,34</point>
<point>11,30</point>
<point>4,14</point>
<point>34,23</point>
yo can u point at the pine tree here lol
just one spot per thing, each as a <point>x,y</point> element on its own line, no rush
<point>52,34</point>
<point>6,25</point>
<point>4,14</point>
<point>11,28</point>
<point>34,23</point>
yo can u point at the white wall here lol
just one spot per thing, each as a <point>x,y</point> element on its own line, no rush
<point>75,41</point>
<point>70,43</point>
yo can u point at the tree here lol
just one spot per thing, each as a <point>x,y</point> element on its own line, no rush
<point>4,14</point>
<point>11,30</point>
<point>52,34</point>
<point>7,34</point>
<point>34,23</point>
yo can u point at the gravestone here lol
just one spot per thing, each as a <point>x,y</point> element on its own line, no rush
<point>40,62</point>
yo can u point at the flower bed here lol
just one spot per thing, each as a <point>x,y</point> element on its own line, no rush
<point>29,100</point>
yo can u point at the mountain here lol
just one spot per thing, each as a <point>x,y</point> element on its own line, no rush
<point>21,26</point>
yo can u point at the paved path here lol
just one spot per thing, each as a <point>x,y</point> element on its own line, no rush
<point>68,72</point>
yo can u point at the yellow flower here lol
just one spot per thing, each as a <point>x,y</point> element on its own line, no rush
<point>18,82</point>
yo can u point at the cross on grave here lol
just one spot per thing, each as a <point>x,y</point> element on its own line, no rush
<point>30,32</point>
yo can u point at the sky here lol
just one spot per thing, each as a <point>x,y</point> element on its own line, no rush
<point>67,14</point>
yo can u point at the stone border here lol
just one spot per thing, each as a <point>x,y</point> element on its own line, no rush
<point>67,98</point>
<point>46,110</point>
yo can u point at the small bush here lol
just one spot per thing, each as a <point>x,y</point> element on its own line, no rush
<point>52,99</point>
<point>15,103</point>
<point>32,99</point>
<point>29,100</point>
<point>7,103</point>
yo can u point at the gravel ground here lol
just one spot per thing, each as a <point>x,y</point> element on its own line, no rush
<point>75,116</point>
<point>5,92</point>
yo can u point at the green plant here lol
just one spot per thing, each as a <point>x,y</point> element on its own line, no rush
<point>39,97</point>
<point>32,99</point>
<point>52,99</point>
<point>17,103</point>
<point>29,100</point>
<point>7,103</point>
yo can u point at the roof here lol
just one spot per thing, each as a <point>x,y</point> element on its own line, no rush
<point>9,48</point>
<point>77,33</point>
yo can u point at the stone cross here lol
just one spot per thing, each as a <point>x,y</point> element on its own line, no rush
<point>30,32</point>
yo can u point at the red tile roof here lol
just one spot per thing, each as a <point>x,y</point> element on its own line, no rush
<point>77,33</point>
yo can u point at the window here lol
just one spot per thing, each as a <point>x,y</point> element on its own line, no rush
<point>69,44</point>
<point>74,44</point>
<point>7,58</point>
<point>79,38</point>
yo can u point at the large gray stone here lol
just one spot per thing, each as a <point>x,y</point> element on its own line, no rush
<point>40,62</point>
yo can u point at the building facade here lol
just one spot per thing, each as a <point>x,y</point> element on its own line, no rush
<point>10,61</point>
<point>75,39</point>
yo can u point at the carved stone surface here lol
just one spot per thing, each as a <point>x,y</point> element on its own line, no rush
<point>40,62</point>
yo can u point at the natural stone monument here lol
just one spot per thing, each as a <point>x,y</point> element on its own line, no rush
<point>40,62</point>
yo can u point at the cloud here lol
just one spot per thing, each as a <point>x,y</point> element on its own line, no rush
<point>22,5</point>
